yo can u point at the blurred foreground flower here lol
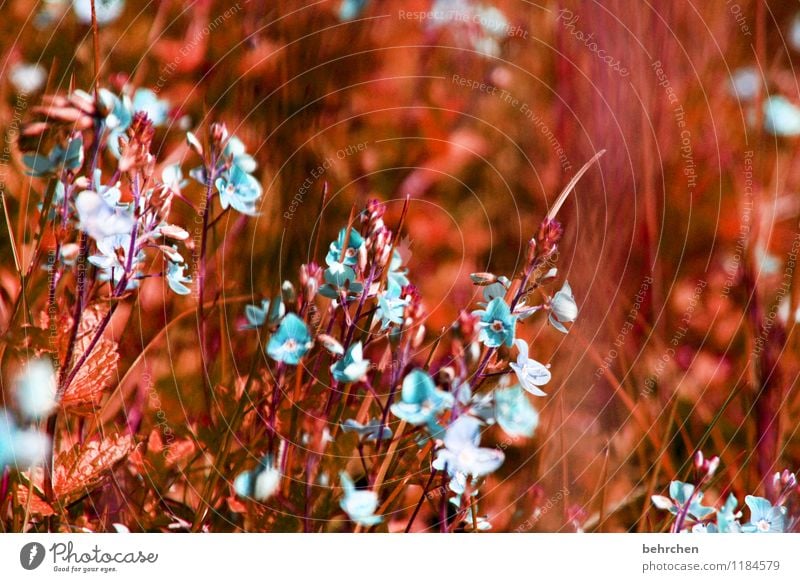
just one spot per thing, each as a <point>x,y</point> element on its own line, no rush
<point>781,117</point>
<point>514,413</point>
<point>352,367</point>
<point>260,483</point>
<point>461,453</point>
<point>359,505</point>
<point>371,431</point>
<point>106,10</point>
<point>28,78</point>
<point>20,448</point>
<point>421,401</point>
<point>36,389</point>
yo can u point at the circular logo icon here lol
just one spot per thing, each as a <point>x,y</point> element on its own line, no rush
<point>31,555</point>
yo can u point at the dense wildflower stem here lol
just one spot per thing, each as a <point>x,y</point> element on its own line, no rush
<point>443,504</point>
<point>222,456</point>
<point>201,276</point>
<point>422,497</point>
<point>394,383</point>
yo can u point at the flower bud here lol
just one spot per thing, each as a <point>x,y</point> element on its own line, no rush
<point>331,344</point>
<point>194,143</point>
<point>219,133</point>
<point>483,278</point>
<point>531,256</point>
<point>310,278</point>
<point>418,337</point>
<point>550,233</point>
<point>288,294</point>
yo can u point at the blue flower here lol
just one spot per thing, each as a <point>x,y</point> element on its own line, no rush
<point>70,157</point>
<point>36,389</point>
<point>514,413</point>
<point>781,117</point>
<point>290,342</point>
<point>679,495</point>
<point>352,367</point>
<point>397,278</point>
<point>496,323</point>
<point>99,219</point>
<point>105,10</point>
<point>764,518</point>
<point>496,290</point>
<point>20,449</point>
<point>531,374</point>
<point>359,505</point>
<point>112,259</point>
<point>420,400</point>
<point>177,279</point>
<point>727,516</point>
<point>390,309</point>
<point>239,190</point>
<point>370,431</point>
<point>257,315</point>
<point>351,9</point>
<point>745,83</point>
<point>172,177</point>
<point>121,109</point>
<point>260,483</point>
<point>118,119</point>
<point>28,78</point>
<point>794,33</point>
<point>481,26</point>
<point>146,101</point>
<point>235,151</point>
<point>340,279</point>
<point>461,453</point>
<point>355,242</point>
<point>479,405</point>
<point>563,308</point>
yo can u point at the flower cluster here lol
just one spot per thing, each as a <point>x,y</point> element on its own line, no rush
<point>105,222</point>
<point>685,503</point>
<point>229,168</point>
<point>371,309</point>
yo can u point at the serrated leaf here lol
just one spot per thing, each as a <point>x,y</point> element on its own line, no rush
<point>98,370</point>
<point>80,469</point>
<point>94,376</point>
<point>38,505</point>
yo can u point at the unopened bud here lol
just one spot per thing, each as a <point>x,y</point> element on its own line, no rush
<point>288,293</point>
<point>219,133</point>
<point>362,257</point>
<point>446,375</point>
<point>531,250</point>
<point>550,232</point>
<point>418,337</point>
<point>194,143</point>
<point>331,344</point>
<point>483,278</point>
<point>310,277</point>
